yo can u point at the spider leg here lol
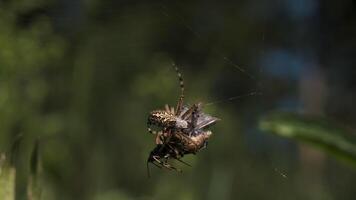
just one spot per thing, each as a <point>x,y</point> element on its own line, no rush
<point>179,106</point>
<point>166,107</point>
<point>170,167</point>
<point>181,85</point>
<point>157,165</point>
<point>165,163</point>
<point>158,161</point>
<point>172,111</point>
<point>165,141</point>
<point>159,138</point>
<point>162,164</point>
<point>148,169</point>
<point>177,153</point>
<point>172,148</point>
<point>183,162</point>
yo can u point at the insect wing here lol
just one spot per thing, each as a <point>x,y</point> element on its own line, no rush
<point>205,120</point>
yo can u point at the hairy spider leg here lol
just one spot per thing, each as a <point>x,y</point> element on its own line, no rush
<point>183,162</point>
<point>159,138</point>
<point>164,164</point>
<point>153,162</point>
<point>175,151</point>
<point>176,156</point>
<point>166,107</point>
<point>172,111</point>
<point>160,163</point>
<point>181,85</point>
<point>179,104</point>
<point>148,167</point>
<point>169,109</point>
<point>170,167</point>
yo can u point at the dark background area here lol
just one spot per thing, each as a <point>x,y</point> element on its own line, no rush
<point>82,77</point>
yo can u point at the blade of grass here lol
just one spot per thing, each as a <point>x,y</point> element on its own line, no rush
<point>7,179</point>
<point>317,132</point>
<point>34,186</point>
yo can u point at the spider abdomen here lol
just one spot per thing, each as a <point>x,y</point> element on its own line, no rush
<point>166,119</point>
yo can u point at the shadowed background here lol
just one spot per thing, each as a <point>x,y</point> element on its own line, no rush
<point>82,77</point>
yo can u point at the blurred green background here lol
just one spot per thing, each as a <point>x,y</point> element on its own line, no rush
<point>82,76</point>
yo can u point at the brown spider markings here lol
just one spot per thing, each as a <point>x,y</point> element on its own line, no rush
<point>182,131</point>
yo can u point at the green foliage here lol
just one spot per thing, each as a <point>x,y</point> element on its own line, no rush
<point>82,76</point>
<point>28,51</point>
<point>318,132</point>
<point>8,175</point>
<point>34,185</point>
<point>7,179</point>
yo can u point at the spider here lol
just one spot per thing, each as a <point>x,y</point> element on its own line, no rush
<point>182,130</point>
<point>169,118</point>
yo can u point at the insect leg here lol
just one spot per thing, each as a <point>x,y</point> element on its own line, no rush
<point>195,115</point>
<point>188,113</point>
<point>192,111</point>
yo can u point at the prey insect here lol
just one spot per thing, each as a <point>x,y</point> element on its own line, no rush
<point>182,130</point>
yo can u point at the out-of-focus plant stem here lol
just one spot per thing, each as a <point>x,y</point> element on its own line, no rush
<point>318,132</point>
<point>7,179</point>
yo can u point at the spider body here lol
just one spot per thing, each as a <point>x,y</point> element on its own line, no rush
<point>182,131</point>
<point>166,119</point>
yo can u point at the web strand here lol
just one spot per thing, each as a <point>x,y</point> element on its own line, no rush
<point>180,20</point>
<point>254,93</point>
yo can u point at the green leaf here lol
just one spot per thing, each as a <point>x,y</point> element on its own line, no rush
<point>318,132</point>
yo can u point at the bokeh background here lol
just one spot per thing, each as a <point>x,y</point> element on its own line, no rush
<point>82,76</point>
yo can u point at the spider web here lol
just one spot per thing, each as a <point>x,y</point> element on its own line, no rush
<point>178,19</point>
